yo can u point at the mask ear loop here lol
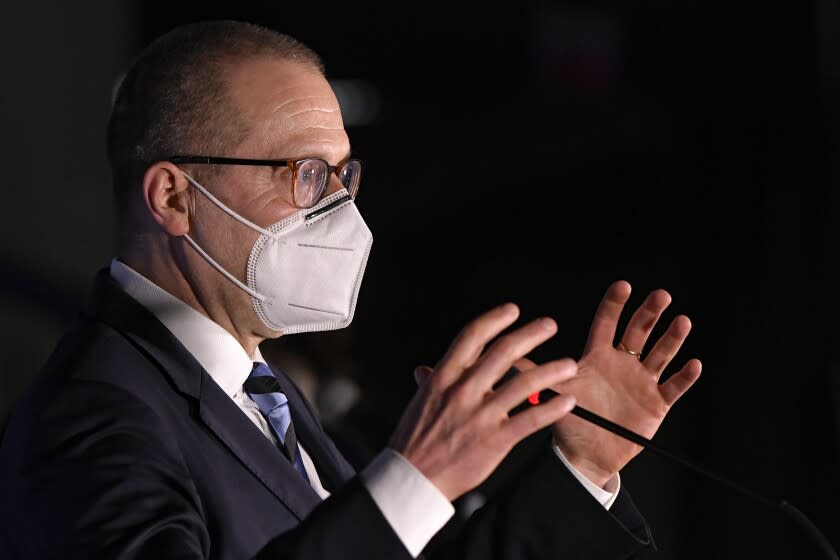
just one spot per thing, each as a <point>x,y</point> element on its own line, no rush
<point>228,211</point>
<point>227,274</point>
<point>240,219</point>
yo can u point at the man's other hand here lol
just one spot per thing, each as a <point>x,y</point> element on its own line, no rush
<point>621,384</point>
<point>457,429</point>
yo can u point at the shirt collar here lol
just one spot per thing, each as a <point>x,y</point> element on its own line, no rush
<point>218,352</point>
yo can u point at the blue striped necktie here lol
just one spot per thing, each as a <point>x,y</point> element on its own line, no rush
<point>264,389</point>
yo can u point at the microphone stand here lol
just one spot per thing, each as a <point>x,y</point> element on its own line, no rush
<point>779,506</point>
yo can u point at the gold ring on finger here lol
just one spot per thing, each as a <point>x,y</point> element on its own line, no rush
<point>623,348</point>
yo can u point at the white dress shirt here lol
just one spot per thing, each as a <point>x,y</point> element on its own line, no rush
<point>389,478</point>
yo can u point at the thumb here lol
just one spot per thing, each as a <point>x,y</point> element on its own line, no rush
<point>421,374</point>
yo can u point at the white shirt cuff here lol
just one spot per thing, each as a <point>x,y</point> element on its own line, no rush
<point>606,495</point>
<point>412,505</point>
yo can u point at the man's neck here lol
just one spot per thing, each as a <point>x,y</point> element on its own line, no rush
<point>164,271</point>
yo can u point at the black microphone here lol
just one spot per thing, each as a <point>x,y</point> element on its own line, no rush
<point>778,506</point>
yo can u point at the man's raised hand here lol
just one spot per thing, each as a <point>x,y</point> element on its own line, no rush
<point>619,382</point>
<point>457,429</point>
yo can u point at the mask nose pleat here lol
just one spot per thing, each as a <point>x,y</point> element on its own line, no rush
<point>310,246</point>
<point>316,309</point>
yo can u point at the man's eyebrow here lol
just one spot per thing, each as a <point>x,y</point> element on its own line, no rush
<point>274,155</point>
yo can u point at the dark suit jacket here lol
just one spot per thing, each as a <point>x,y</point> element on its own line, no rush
<point>124,447</point>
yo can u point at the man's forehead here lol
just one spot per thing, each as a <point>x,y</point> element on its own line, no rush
<point>278,86</point>
<point>292,109</point>
<point>302,136</point>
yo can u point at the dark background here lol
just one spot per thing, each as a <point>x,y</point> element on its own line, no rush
<point>530,153</point>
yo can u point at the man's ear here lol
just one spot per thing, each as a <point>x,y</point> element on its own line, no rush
<point>167,195</point>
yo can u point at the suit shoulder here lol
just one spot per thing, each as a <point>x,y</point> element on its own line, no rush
<point>93,351</point>
<point>86,400</point>
<point>95,376</point>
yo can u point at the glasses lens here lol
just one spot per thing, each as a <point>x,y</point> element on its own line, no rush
<point>350,175</point>
<point>310,181</point>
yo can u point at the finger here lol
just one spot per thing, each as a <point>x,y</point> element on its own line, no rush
<point>680,382</point>
<point>520,365</point>
<point>514,392</point>
<point>535,418</point>
<point>606,317</point>
<point>470,342</point>
<point>523,364</point>
<point>644,319</point>
<point>501,355</point>
<point>422,374</point>
<point>667,346</point>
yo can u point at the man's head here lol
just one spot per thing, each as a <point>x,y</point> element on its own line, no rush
<point>176,97</point>
<point>215,89</point>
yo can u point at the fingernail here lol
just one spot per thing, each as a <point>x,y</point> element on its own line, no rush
<point>509,307</point>
<point>547,324</point>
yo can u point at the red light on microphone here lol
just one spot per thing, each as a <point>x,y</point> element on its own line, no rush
<point>535,398</point>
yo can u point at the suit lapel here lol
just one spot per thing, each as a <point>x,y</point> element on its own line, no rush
<point>110,305</point>
<point>333,470</point>
<point>254,450</point>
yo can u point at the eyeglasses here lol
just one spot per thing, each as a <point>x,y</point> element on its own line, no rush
<point>310,176</point>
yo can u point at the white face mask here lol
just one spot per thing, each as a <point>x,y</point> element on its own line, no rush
<point>305,271</point>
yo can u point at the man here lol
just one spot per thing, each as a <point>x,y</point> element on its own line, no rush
<point>156,429</point>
